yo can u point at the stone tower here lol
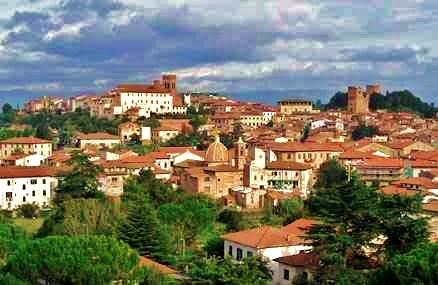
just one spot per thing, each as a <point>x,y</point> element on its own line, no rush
<point>358,100</point>
<point>240,154</point>
<point>169,81</point>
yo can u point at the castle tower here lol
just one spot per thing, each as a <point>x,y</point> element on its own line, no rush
<point>240,154</point>
<point>169,81</point>
<point>373,89</point>
<point>358,100</point>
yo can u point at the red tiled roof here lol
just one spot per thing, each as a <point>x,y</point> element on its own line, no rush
<point>163,269</point>
<point>353,154</point>
<point>381,163</point>
<point>24,172</point>
<point>98,136</point>
<point>396,190</point>
<point>423,163</point>
<point>288,165</point>
<point>420,181</point>
<point>267,236</point>
<point>300,260</point>
<point>432,206</point>
<point>175,149</point>
<point>140,88</point>
<point>25,140</point>
<point>306,147</point>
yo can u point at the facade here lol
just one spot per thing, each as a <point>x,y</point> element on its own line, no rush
<point>380,172</point>
<point>164,134</point>
<point>25,185</point>
<point>24,160</point>
<point>296,269</point>
<point>25,145</point>
<point>269,242</point>
<point>100,140</point>
<point>295,106</point>
<point>128,130</point>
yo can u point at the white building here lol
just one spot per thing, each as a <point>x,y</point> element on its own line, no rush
<point>24,160</point>
<point>25,185</point>
<point>269,242</point>
<point>25,145</point>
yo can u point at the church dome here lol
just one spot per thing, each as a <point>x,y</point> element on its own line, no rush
<point>217,152</point>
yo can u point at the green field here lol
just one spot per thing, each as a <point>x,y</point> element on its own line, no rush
<point>31,226</point>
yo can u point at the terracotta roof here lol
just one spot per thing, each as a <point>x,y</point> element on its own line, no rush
<point>354,154</point>
<point>165,128</point>
<point>222,168</point>
<point>432,206</point>
<point>425,155</point>
<point>419,163</point>
<point>397,190</point>
<point>267,236</point>
<point>381,163</point>
<point>420,181</point>
<point>98,136</point>
<point>400,144</point>
<point>306,147</point>
<point>140,88</point>
<point>300,260</point>
<point>163,269</point>
<point>25,140</point>
<point>24,172</point>
<point>175,149</point>
<point>288,165</point>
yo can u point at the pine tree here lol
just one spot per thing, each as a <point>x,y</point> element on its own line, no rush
<point>142,229</point>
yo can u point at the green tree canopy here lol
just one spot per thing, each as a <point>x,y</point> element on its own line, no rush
<point>418,266</point>
<point>251,271</point>
<point>74,260</point>
<point>331,173</point>
<point>82,181</point>
<point>143,231</point>
<point>364,131</point>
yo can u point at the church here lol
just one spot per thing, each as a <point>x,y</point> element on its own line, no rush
<point>221,171</point>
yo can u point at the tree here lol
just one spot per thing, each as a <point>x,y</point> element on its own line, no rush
<point>363,131</point>
<point>237,131</point>
<point>338,101</point>
<point>189,217</point>
<point>331,173</point>
<point>28,210</point>
<point>251,271</point>
<point>82,181</point>
<point>418,266</point>
<point>7,109</point>
<point>74,260</point>
<point>290,210</point>
<point>143,231</point>
<point>9,279</point>
<point>306,131</point>
<point>10,237</point>
<point>42,131</point>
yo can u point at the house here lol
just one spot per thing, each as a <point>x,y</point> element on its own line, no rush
<point>129,131</point>
<point>380,172</point>
<point>164,134</point>
<point>100,140</point>
<point>248,198</point>
<point>21,159</point>
<point>269,242</point>
<point>25,145</point>
<point>296,268</point>
<point>26,185</point>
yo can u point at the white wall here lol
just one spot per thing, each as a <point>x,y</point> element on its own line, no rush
<point>31,160</point>
<point>33,193</point>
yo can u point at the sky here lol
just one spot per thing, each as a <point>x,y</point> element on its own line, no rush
<point>252,49</point>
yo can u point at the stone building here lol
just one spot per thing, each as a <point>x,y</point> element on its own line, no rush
<point>217,175</point>
<point>295,106</point>
<point>358,99</point>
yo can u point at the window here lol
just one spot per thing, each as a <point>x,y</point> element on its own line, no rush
<point>33,181</point>
<point>24,199</point>
<point>24,187</point>
<point>9,182</point>
<point>230,250</point>
<point>249,254</point>
<point>44,192</point>
<point>239,254</point>
<point>286,274</point>
<point>33,193</point>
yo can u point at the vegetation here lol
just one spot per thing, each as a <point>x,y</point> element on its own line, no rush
<point>251,271</point>
<point>74,260</point>
<point>353,217</point>
<point>82,181</point>
<point>364,131</point>
<point>28,211</point>
<point>393,101</point>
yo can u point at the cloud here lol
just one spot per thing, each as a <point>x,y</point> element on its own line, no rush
<point>69,46</point>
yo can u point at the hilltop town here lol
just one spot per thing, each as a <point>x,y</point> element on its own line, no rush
<point>289,191</point>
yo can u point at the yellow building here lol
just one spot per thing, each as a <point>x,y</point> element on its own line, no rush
<point>295,106</point>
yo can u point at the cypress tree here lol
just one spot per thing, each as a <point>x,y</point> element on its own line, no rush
<point>142,230</point>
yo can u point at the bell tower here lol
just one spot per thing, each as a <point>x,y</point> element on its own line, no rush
<point>240,154</point>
